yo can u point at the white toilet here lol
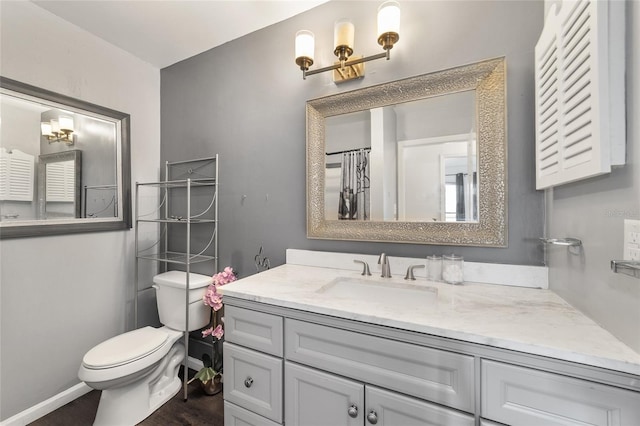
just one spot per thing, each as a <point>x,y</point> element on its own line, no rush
<point>137,371</point>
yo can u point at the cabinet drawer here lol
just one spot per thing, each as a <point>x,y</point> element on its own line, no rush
<point>256,330</point>
<point>523,396</point>
<point>253,381</point>
<point>440,376</point>
<point>390,408</point>
<point>238,416</point>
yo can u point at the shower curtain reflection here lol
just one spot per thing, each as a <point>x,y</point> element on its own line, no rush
<point>354,201</point>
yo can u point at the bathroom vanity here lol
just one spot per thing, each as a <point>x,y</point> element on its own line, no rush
<point>310,345</point>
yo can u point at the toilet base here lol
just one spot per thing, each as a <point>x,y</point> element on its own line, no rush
<point>130,404</point>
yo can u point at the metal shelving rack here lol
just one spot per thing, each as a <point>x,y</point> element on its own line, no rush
<point>164,219</point>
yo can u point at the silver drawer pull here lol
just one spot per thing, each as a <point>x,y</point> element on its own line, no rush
<point>353,411</point>
<point>372,417</point>
<point>248,382</point>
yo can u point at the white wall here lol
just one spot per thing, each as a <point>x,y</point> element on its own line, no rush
<point>61,295</point>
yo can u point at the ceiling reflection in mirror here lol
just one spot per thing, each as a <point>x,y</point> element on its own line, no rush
<point>61,164</point>
<point>413,161</point>
<point>420,160</point>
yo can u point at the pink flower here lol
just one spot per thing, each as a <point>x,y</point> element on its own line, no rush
<point>224,277</point>
<point>213,298</point>
<point>218,332</point>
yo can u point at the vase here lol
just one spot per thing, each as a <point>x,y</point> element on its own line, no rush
<point>212,386</point>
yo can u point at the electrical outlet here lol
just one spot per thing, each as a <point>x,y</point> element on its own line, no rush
<point>632,239</point>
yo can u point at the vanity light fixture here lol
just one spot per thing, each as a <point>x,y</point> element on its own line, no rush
<point>60,130</point>
<point>348,69</point>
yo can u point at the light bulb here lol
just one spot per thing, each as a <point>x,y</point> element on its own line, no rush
<point>45,129</point>
<point>343,33</point>
<point>304,45</point>
<point>389,18</point>
<point>66,123</point>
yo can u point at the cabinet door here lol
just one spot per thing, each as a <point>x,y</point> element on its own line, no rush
<point>387,408</point>
<point>315,398</point>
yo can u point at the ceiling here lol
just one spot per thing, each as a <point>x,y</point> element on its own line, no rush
<point>163,32</point>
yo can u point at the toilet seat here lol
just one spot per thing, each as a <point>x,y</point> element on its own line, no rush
<point>125,348</point>
<point>103,363</point>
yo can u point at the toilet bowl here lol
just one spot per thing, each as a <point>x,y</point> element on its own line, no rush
<point>137,371</point>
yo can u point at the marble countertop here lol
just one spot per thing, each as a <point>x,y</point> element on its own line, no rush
<point>528,320</point>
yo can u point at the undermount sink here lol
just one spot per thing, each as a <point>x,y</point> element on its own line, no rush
<point>377,291</point>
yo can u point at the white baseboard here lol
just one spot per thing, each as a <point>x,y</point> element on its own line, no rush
<point>45,407</point>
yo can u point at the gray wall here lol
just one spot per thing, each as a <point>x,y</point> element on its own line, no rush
<point>246,101</point>
<point>594,211</point>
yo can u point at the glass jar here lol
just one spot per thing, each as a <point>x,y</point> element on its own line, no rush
<point>453,269</point>
<point>434,268</point>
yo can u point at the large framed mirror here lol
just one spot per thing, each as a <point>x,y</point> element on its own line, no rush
<point>64,164</point>
<point>421,160</point>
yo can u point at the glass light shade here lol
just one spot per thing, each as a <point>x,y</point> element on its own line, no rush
<point>343,33</point>
<point>389,18</point>
<point>66,123</point>
<point>45,129</point>
<point>304,44</point>
<point>55,126</point>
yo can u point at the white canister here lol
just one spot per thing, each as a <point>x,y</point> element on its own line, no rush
<point>452,269</point>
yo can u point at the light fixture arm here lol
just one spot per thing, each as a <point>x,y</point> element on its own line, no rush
<point>386,54</point>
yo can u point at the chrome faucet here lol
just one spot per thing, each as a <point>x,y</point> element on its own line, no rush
<point>365,267</point>
<point>383,261</point>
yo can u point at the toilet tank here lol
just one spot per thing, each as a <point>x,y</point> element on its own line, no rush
<point>170,296</point>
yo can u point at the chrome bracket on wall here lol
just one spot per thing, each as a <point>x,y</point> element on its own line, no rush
<point>627,267</point>
<point>573,244</point>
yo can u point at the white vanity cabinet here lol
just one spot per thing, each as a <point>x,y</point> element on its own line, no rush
<point>298,368</point>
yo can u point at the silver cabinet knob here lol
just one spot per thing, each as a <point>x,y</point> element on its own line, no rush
<point>353,411</point>
<point>372,417</point>
<point>248,382</point>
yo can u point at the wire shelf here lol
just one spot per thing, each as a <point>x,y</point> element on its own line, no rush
<point>176,257</point>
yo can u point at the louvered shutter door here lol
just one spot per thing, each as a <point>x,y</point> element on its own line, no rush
<point>576,92</point>
<point>16,176</point>
<point>60,182</point>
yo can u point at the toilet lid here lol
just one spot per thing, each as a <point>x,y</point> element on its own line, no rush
<point>125,348</point>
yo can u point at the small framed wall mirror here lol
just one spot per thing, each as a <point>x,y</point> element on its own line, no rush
<point>420,160</point>
<point>64,164</point>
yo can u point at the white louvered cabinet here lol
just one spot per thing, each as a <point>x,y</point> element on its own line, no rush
<point>16,175</point>
<point>579,84</point>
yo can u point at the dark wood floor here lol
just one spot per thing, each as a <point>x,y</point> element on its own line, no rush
<point>199,409</point>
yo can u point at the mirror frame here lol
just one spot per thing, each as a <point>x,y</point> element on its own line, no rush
<point>39,228</point>
<point>488,79</point>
